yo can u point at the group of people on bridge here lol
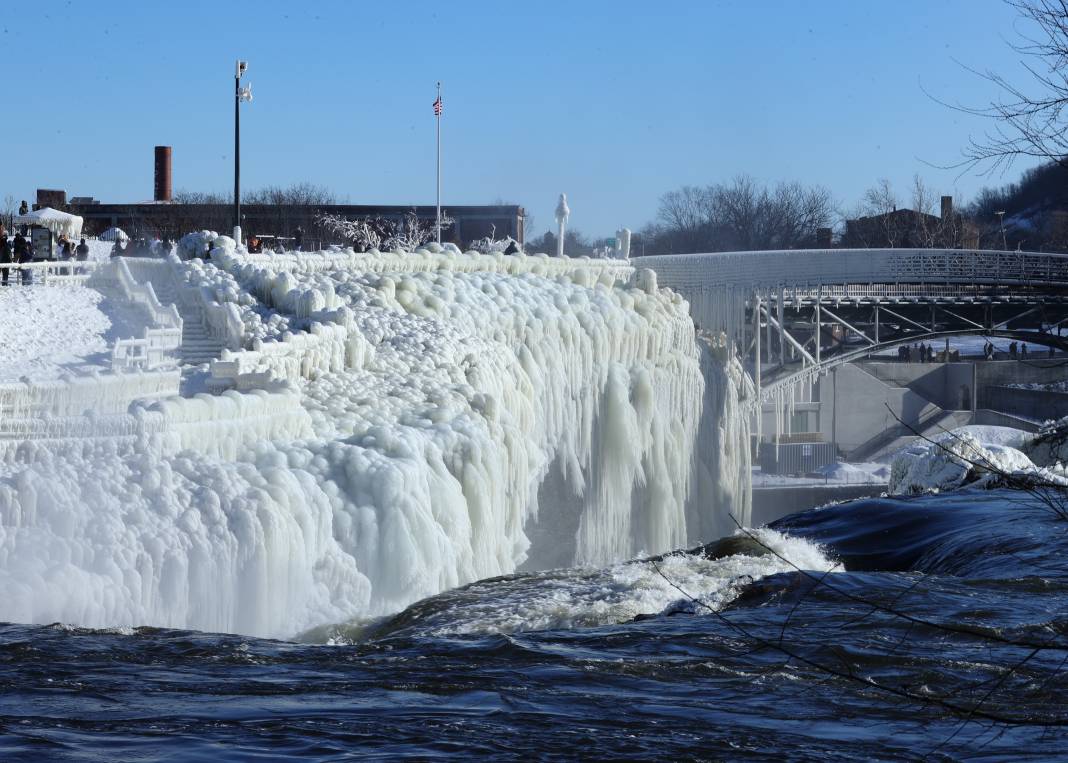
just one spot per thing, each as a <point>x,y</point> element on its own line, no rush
<point>1015,351</point>
<point>921,353</point>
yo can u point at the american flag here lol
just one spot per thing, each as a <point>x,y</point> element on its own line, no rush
<point>437,106</point>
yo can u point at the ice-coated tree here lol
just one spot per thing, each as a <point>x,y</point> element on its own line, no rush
<point>380,233</point>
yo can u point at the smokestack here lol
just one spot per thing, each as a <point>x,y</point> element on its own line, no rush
<point>163,174</point>
<point>947,208</point>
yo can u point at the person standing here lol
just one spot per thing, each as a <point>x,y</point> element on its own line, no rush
<point>23,254</point>
<point>298,239</point>
<point>82,252</point>
<point>5,255</point>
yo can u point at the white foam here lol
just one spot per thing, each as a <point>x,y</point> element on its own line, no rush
<point>588,598</point>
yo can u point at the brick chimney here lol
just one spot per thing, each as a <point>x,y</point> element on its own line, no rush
<point>947,208</point>
<point>163,174</point>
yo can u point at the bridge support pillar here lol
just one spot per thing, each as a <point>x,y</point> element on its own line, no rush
<point>877,324</point>
<point>756,366</point>
<point>768,334</point>
<point>819,323</point>
<point>782,323</point>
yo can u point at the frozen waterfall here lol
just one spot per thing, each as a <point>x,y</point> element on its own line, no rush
<point>459,416</point>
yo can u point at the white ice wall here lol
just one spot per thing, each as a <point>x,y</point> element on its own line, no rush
<point>438,394</point>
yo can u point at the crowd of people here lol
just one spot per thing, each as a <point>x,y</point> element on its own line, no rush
<point>925,353</point>
<point>1016,351</point>
<point>140,247</point>
<point>919,353</point>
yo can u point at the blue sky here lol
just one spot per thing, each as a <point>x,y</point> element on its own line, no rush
<point>612,102</point>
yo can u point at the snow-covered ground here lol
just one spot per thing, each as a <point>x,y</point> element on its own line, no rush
<point>47,328</point>
<point>971,455</point>
<point>1060,386</point>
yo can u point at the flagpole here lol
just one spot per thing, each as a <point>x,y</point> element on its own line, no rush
<point>437,119</point>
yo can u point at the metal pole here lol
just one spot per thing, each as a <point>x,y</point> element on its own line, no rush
<point>819,322</point>
<point>237,152</point>
<point>756,366</point>
<point>437,119</point>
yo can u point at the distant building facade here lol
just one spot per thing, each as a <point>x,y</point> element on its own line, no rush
<point>171,220</point>
<point>910,229</point>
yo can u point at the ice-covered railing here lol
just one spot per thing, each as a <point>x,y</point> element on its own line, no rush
<point>331,345</point>
<point>213,425</point>
<point>717,285</point>
<point>99,393</point>
<point>430,258</point>
<point>324,348</point>
<point>184,280</point>
<point>157,346</point>
<point>221,426</point>
<point>51,273</point>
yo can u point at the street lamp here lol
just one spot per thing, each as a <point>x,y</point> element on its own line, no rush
<point>240,94</point>
<point>1004,244</point>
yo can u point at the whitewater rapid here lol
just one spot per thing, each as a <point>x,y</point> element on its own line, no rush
<point>417,411</point>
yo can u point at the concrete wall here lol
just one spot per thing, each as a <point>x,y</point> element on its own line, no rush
<point>987,417</point>
<point>771,503</point>
<point>1001,373</point>
<point>948,385</point>
<point>864,408</point>
<point>1036,404</point>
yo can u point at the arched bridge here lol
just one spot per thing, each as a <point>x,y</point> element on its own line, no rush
<point>801,312</point>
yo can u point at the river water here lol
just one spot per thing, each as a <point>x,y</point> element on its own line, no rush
<point>933,627</point>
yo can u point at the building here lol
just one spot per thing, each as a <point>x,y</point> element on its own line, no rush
<point>172,220</point>
<point>165,218</point>
<point>909,229</point>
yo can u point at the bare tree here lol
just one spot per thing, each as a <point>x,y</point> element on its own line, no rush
<point>381,233</point>
<point>741,215</point>
<point>928,229</point>
<point>7,212</point>
<point>1028,115</point>
<point>874,221</point>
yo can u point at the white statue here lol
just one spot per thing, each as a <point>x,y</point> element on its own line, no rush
<point>623,243</point>
<point>562,213</point>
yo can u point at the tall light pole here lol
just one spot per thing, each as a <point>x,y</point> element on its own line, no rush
<point>1004,243</point>
<point>438,107</point>
<point>240,94</point>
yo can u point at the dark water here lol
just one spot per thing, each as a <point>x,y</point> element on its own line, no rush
<point>980,577</point>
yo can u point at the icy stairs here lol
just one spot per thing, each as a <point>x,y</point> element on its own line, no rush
<point>198,346</point>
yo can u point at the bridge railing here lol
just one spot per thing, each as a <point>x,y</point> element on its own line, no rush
<point>815,267</point>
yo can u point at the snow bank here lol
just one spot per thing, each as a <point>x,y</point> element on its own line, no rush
<point>959,457</point>
<point>49,327</point>
<point>431,397</point>
<point>195,244</point>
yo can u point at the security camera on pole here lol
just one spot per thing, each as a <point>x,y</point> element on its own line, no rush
<point>240,94</point>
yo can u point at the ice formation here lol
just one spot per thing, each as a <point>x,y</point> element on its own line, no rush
<point>959,457</point>
<point>394,426</point>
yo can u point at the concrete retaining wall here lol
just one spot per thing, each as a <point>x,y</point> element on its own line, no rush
<point>947,385</point>
<point>771,503</point>
<point>1036,404</point>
